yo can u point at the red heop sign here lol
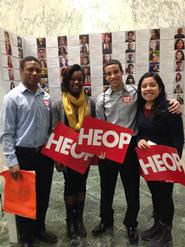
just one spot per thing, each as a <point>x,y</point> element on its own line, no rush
<point>61,147</point>
<point>97,136</point>
<point>161,163</point>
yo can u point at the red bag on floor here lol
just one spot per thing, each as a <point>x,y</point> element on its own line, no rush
<point>20,195</point>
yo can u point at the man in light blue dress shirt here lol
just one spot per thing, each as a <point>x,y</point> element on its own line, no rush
<point>25,127</point>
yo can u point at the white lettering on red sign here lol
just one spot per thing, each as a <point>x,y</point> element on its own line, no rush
<point>96,137</point>
<point>162,163</point>
<point>64,145</point>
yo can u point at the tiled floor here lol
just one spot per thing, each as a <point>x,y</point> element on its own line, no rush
<point>56,216</point>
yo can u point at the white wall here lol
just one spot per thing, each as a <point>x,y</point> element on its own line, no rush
<point>71,17</point>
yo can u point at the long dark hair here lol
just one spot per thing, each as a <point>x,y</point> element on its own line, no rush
<point>160,103</point>
<point>68,72</point>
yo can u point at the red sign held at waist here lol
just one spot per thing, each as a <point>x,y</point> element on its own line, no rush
<point>61,147</point>
<point>161,163</point>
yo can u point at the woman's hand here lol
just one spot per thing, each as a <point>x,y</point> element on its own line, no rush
<point>143,144</point>
<point>174,107</point>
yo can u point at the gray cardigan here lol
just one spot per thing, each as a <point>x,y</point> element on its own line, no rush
<point>58,114</point>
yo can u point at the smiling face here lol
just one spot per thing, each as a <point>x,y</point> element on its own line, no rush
<point>179,55</point>
<point>61,41</point>
<point>41,53</point>
<point>154,34</point>
<point>178,77</point>
<point>179,65</point>
<point>154,57</point>
<point>30,75</point>
<point>180,44</point>
<point>84,40</point>
<point>107,38</point>
<point>149,90</point>
<point>107,57</point>
<point>76,83</point>
<point>113,75</point>
<point>130,36</point>
<point>85,61</point>
<point>130,56</point>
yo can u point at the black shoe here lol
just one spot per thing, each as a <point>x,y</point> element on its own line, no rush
<point>80,229</point>
<point>101,228</point>
<point>151,233</point>
<point>164,238</point>
<point>71,233</point>
<point>133,235</point>
<point>27,244</point>
<point>47,237</point>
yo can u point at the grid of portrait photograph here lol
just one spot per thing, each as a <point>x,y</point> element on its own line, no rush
<point>157,50</point>
<point>85,62</point>
<point>12,53</point>
<point>154,50</point>
<point>130,57</point>
<point>62,54</point>
<point>107,54</point>
<point>179,39</point>
<point>41,53</point>
<point>139,51</point>
<point>20,47</point>
<point>8,49</point>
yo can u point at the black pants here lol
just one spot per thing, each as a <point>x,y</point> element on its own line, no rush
<point>129,172</point>
<point>33,160</point>
<point>74,182</point>
<point>162,200</point>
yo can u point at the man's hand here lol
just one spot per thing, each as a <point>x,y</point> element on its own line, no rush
<point>174,107</point>
<point>15,172</point>
<point>102,156</point>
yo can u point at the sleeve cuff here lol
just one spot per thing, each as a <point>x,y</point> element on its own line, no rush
<point>12,162</point>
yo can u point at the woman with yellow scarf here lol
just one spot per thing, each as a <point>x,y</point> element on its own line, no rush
<point>71,110</point>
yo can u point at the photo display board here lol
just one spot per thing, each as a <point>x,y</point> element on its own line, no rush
<point>139,51</point>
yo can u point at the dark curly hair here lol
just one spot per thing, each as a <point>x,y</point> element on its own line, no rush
<point>68,72</point>
<point>159,108</point>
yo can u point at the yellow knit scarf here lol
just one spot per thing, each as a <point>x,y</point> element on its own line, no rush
<point>75,122</point>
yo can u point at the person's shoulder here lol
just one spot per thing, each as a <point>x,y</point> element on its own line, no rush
<point>46,95</point>
<point>105,93</point>
<point>100,98</point>
<point>131,88</point>
<point>43,91</point>
<point>91,104</point>
<point>12,94</point>
<point>179,36</point>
